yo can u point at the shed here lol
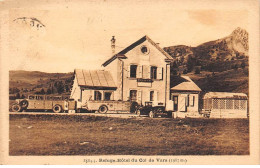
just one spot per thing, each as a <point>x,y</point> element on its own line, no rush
<point>92,85</point>
<point>225,104</point>
<point>185,95</point>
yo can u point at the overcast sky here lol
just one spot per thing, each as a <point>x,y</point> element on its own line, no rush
<point>78,35</point>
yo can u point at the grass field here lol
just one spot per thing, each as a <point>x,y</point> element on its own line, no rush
<point>92,135</point>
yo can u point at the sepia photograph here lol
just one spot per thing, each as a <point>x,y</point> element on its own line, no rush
<point>130,82</point>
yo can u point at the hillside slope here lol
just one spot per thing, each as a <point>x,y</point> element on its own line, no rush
<point>233,46</point>
<point>219,65</point>
<point>30,82</point>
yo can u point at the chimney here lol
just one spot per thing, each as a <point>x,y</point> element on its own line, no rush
<point>113,46</point>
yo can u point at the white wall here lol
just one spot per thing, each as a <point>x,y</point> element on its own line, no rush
<point>153,58</point>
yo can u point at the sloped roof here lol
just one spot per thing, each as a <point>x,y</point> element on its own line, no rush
<point>225,95</point>
<point>122,53</point>
<point>94,78</point>
<point>186,85</point>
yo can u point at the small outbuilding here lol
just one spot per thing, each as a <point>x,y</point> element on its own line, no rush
<point>185,97</point>
<point>225,105</point>
<point>92,85</point>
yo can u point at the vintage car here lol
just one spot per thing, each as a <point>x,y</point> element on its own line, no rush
<point>152,110</point>
<point>56,104</point>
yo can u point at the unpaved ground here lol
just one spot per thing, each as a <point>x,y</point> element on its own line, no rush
<point>98,135</point>
<point>109,114</point>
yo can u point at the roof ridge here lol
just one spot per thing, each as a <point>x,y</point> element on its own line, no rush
<point>134,44</point>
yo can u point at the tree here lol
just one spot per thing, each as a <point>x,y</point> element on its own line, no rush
<point>60,87</point>
<point>190,63</point>
<point>235,66</point>
<point>175,72</point>
<point>185,71</point>
<point>48,91</point>
<point>18,95</point>
<point>243,65</point>
<point>182,59</point>
<point>42,91</point>
<point>197,70</point>
<point>22,97</point>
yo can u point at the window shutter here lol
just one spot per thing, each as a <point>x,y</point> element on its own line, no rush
<point>128,71</point>
<point>148,72</point>
<point>139,96</point>
<point>139,71</point>
<point>145,71</point>
<point>159,73</point>
<point>182,103</point>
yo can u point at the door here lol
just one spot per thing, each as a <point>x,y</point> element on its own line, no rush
<point>175,103</point>
<point>133,95</point>
<point>182,103</point>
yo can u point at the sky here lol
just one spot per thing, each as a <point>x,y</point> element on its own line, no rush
<point>77,35</point>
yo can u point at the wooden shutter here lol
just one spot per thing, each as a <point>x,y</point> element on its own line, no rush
<point>182,103</point>
<point>128,71</point>
<point>159,73</point>
<point>139,71</point>
<point>139,96</point>
<point>145,71</point>
<point>148,72</point>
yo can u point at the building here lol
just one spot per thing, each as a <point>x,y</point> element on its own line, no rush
<point>225,105</point>
<point>92,85</point>
<point>138,73</point>
<point>141,72</point>
<point>185,96</point>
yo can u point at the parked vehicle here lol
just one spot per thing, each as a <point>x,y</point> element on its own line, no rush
<point>59,104</point>
<point>152,110</point>
<point>44,102</point>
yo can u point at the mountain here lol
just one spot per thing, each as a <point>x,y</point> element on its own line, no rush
<point>218,65</point>
<point>234,46</point>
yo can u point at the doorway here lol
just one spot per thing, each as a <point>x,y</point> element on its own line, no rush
<point>175,103</point>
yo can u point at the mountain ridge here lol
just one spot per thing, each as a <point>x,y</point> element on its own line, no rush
<point>231,46</point>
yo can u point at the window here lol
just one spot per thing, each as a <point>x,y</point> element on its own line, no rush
<point>97,95</point>
<point>229,104</point>
<point>151,95</point>
<point>153,72</point>
<point>236,104</point>
<point>144,50</point>
<point>133,95</point>
<point>133,69</point>
<point>221,103</point>
<point>107,95</point>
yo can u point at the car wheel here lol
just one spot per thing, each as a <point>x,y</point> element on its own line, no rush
<point>16,108</point>
<point>151,114</point>
<point>103,109</point>
<point>57,108</point>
